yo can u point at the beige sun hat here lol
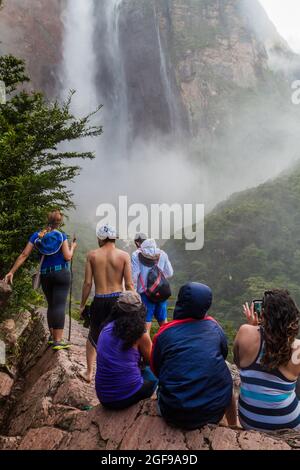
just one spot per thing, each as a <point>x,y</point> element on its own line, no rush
<point>129,301</point>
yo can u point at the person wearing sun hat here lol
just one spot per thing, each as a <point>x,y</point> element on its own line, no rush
<point>110,270</point>
<point>122,346</point>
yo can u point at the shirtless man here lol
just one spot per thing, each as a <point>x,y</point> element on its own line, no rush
<point>110,269</point>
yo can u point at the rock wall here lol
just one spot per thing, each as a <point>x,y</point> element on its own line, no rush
<point>49,407</point>
<point>187,65</point>
<point>32,30</point>
<point>191,65</point>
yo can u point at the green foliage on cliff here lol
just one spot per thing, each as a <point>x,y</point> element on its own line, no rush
<point>252,243</point>
<point>34,171</point>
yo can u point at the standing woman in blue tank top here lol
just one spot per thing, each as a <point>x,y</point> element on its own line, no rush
<point>267,352</point>
<point>55,276</point>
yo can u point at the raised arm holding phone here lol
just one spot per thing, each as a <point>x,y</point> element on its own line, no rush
<point>267,352</point>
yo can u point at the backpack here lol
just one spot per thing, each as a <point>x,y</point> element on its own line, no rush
<point>157,287</point>
<point>47,245</point>
<point>50,243</point>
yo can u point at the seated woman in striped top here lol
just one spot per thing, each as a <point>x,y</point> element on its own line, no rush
<point>268,355</point>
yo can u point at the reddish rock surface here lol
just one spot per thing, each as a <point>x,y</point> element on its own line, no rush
<point>52,408</point>
<point>42,439</point>
<point>32,30</point>
<point>6,383</point>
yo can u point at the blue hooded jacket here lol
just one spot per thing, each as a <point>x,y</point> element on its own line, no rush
<point>188,357</point>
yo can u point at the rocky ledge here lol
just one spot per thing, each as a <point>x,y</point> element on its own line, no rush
<point>45,405</point>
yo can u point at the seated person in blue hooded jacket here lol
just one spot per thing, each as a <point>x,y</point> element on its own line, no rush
<point>188,357</point>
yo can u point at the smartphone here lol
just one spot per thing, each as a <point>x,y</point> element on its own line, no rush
<point>258,307</point>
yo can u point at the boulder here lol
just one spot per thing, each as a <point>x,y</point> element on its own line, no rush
<point>5,293</point>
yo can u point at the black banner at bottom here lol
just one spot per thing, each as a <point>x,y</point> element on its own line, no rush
<point>139,459</point>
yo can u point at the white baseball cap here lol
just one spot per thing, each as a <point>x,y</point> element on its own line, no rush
<point>106,232</point>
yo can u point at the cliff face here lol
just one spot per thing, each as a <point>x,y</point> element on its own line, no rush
<point>185,63</point>
<point>190,63</point>
<point>32,30</point>
<point>48,407</point>
<point>214,56</point>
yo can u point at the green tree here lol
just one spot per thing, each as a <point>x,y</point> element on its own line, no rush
<point>34,171</point>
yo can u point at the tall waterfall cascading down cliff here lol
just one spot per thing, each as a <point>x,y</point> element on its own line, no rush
<point>117,111</point>
<point>79,61</point>
<point>165,73</point>
<point>98,65</point>
<point>188,100</point>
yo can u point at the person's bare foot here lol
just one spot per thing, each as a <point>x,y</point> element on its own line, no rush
<point>85,376</point>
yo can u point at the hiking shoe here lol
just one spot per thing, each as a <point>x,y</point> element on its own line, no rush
<point>58,345</point>
<point>50,340</point>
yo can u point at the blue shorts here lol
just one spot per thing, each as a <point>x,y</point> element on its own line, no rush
<point>159,311</point>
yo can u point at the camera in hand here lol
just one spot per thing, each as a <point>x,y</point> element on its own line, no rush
<point>86,316</point>
<point>257,307</point>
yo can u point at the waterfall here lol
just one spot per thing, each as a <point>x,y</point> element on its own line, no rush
<point>94,55</point>
<point>79,61</point>
<point>165,75</point>
<point>113,95</point>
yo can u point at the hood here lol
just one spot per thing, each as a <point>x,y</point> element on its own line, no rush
<point>194,301</point>
<point>149,249</point>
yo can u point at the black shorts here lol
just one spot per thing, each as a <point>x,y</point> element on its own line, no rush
<point>190,419</point>
<point>101,309</point>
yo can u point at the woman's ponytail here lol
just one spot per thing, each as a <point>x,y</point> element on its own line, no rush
<point>55,219</point>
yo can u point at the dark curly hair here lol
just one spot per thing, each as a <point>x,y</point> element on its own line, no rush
<point>280,323</point>
<point>129,326</point>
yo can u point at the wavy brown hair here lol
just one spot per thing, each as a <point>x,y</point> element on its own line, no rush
<point>280,323</point>
<point>129,326</point>
<point>54,221</point>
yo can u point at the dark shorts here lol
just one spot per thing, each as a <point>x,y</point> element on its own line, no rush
<point>190,420</point>
<point>101,309</point>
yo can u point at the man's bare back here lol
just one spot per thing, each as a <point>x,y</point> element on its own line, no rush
<point>110,269</point>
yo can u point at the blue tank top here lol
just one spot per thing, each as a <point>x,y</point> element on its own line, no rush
<point>118,375</point>
<point>53,260</point>
<point>268,400</point>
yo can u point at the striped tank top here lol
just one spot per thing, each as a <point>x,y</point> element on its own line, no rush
<point>268,400</point>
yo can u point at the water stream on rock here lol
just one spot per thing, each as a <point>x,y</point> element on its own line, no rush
<point>79,60</point>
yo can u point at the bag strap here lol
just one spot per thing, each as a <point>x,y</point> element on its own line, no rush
<point>157,282</point>
<point>41,262</point>
<point>142,283</point>
<point>38,274</point>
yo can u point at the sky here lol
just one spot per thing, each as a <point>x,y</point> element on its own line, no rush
<point>285,14</point>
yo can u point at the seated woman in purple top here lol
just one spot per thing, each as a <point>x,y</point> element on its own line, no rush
<point>123,346</point>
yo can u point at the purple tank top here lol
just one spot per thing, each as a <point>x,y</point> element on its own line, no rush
<point>118,375</point>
